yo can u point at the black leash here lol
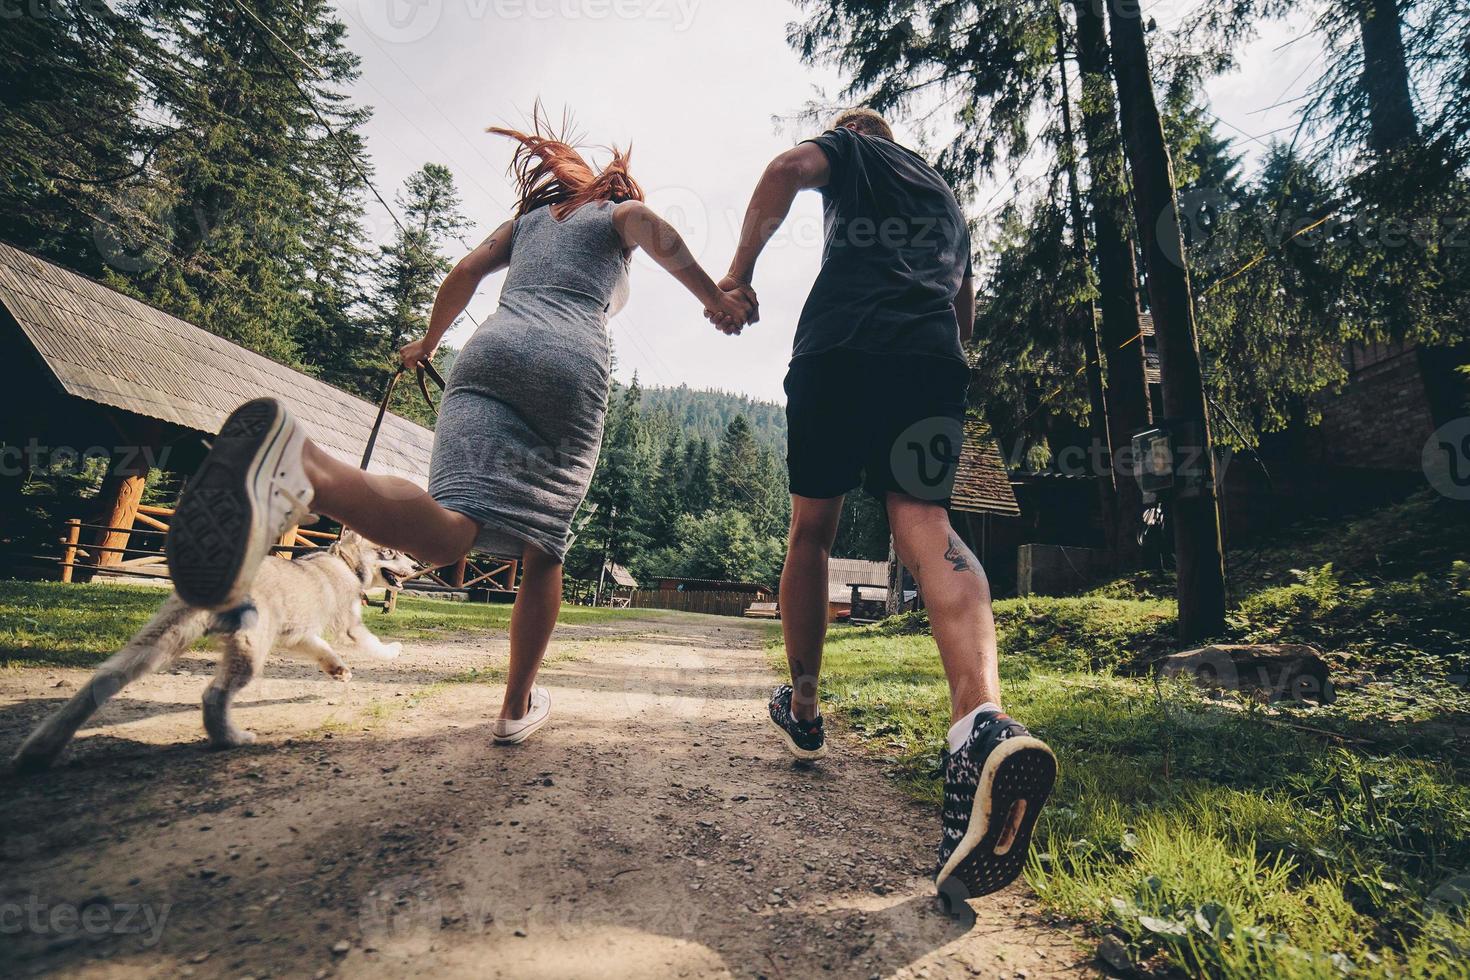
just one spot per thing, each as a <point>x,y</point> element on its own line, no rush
<point>423,369</point>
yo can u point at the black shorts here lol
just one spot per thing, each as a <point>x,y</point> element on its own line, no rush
<point>886,422</point>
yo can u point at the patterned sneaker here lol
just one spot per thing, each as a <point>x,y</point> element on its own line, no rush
<point>994,788</point>
<point>804,739</point>
<point>251,487</point>
<point>510,731</point>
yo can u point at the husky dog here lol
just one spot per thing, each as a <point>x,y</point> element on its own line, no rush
<point>292,605</point>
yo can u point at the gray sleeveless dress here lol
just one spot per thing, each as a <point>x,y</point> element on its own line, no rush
<point>521,422</point>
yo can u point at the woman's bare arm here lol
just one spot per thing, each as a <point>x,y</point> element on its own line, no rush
<point>640,227</point>
<point>490,256</point>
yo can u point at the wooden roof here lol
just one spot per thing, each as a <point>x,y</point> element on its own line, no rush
<point>981,484</point>
<point>621,576</point>
<point>111,349</point>
<point>844,573</point>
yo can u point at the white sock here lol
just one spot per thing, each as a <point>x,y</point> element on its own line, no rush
<point>959,732</point>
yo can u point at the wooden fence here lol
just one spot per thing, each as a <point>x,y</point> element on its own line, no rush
<point>137,549</point>
<point>716,603</point>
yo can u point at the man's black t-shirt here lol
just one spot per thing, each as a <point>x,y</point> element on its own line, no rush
<point>896,249</point>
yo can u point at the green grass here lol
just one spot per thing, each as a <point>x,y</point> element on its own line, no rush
<point>1220,837</point>
<point>62,625</point>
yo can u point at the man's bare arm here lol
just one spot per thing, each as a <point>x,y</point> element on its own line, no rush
<point>797,169</point>
<point>964,308</point>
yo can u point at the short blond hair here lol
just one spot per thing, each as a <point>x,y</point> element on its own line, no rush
<point>864,120</point>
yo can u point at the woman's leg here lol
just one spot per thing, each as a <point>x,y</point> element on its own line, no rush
<point>531,621</point>
<point>387,510</point>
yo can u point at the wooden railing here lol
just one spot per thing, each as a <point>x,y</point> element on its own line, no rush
<point>476,572</point>
<point>120,555</point>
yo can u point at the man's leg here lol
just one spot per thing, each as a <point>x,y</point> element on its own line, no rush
<point>997,775</point>
<point>387,510</point>
<point>957,596</point>
<point>804,595</point>
<point>538,602</point>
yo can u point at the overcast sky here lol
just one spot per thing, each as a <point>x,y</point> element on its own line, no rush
<point>696,86</point>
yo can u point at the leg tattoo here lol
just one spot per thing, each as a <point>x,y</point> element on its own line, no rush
<point>956,554</point>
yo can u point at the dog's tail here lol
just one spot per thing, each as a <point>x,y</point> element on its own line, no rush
<point>167,635</point>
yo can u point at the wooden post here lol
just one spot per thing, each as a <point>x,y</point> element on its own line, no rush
<point>121,494</point>
<point>69,553</point>
<point>1198,555</point>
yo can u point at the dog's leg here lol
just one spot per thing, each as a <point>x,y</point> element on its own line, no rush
<point>369,644</point>
<point>243,656</point>
<point>321,651</point>
<point>165,637</point>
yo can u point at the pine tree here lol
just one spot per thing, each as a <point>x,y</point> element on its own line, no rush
<point>406,278</point>
<point>615,531</point>
<point>1198,550</point>
<point>699,485</point>
<point>737,469</point>
<point>241,173</point>
<point>73,75</point>
<point>667,498</point>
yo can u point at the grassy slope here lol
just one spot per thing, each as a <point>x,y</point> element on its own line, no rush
<point>1221,837</point>
<point>48,623</point>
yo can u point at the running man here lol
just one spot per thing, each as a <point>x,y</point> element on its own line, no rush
<point>876,395</point>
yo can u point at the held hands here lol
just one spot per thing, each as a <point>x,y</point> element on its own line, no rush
<point>417,352</point>
<point>736,307</point>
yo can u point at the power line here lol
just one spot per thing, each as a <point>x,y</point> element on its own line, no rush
<point>311,104</point>
<point>321,118</point>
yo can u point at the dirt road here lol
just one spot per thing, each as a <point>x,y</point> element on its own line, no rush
<point>653,828</point>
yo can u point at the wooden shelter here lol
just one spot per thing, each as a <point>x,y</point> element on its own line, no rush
<point>98,374</point>
<point>851,580</point>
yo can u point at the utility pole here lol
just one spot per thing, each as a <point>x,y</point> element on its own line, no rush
<point>1195,513</point>
<point>1086,314</point>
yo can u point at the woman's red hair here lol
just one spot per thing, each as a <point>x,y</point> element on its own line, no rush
<point>550,172</point>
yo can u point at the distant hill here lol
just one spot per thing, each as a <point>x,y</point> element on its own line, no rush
<point>707,413</point>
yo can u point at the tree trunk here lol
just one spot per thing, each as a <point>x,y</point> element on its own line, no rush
<point>1393,126</point>
<point>1195,515</point>
<point>894,602</point>
<point>1127,387</point>
<point>1085,315</point>
<point>1391,121</point>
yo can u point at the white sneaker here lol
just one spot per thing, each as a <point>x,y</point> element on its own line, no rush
<point>250,488</point>
<point>510,731</point>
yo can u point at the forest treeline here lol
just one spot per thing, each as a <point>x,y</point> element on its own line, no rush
<point>206,158</point>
